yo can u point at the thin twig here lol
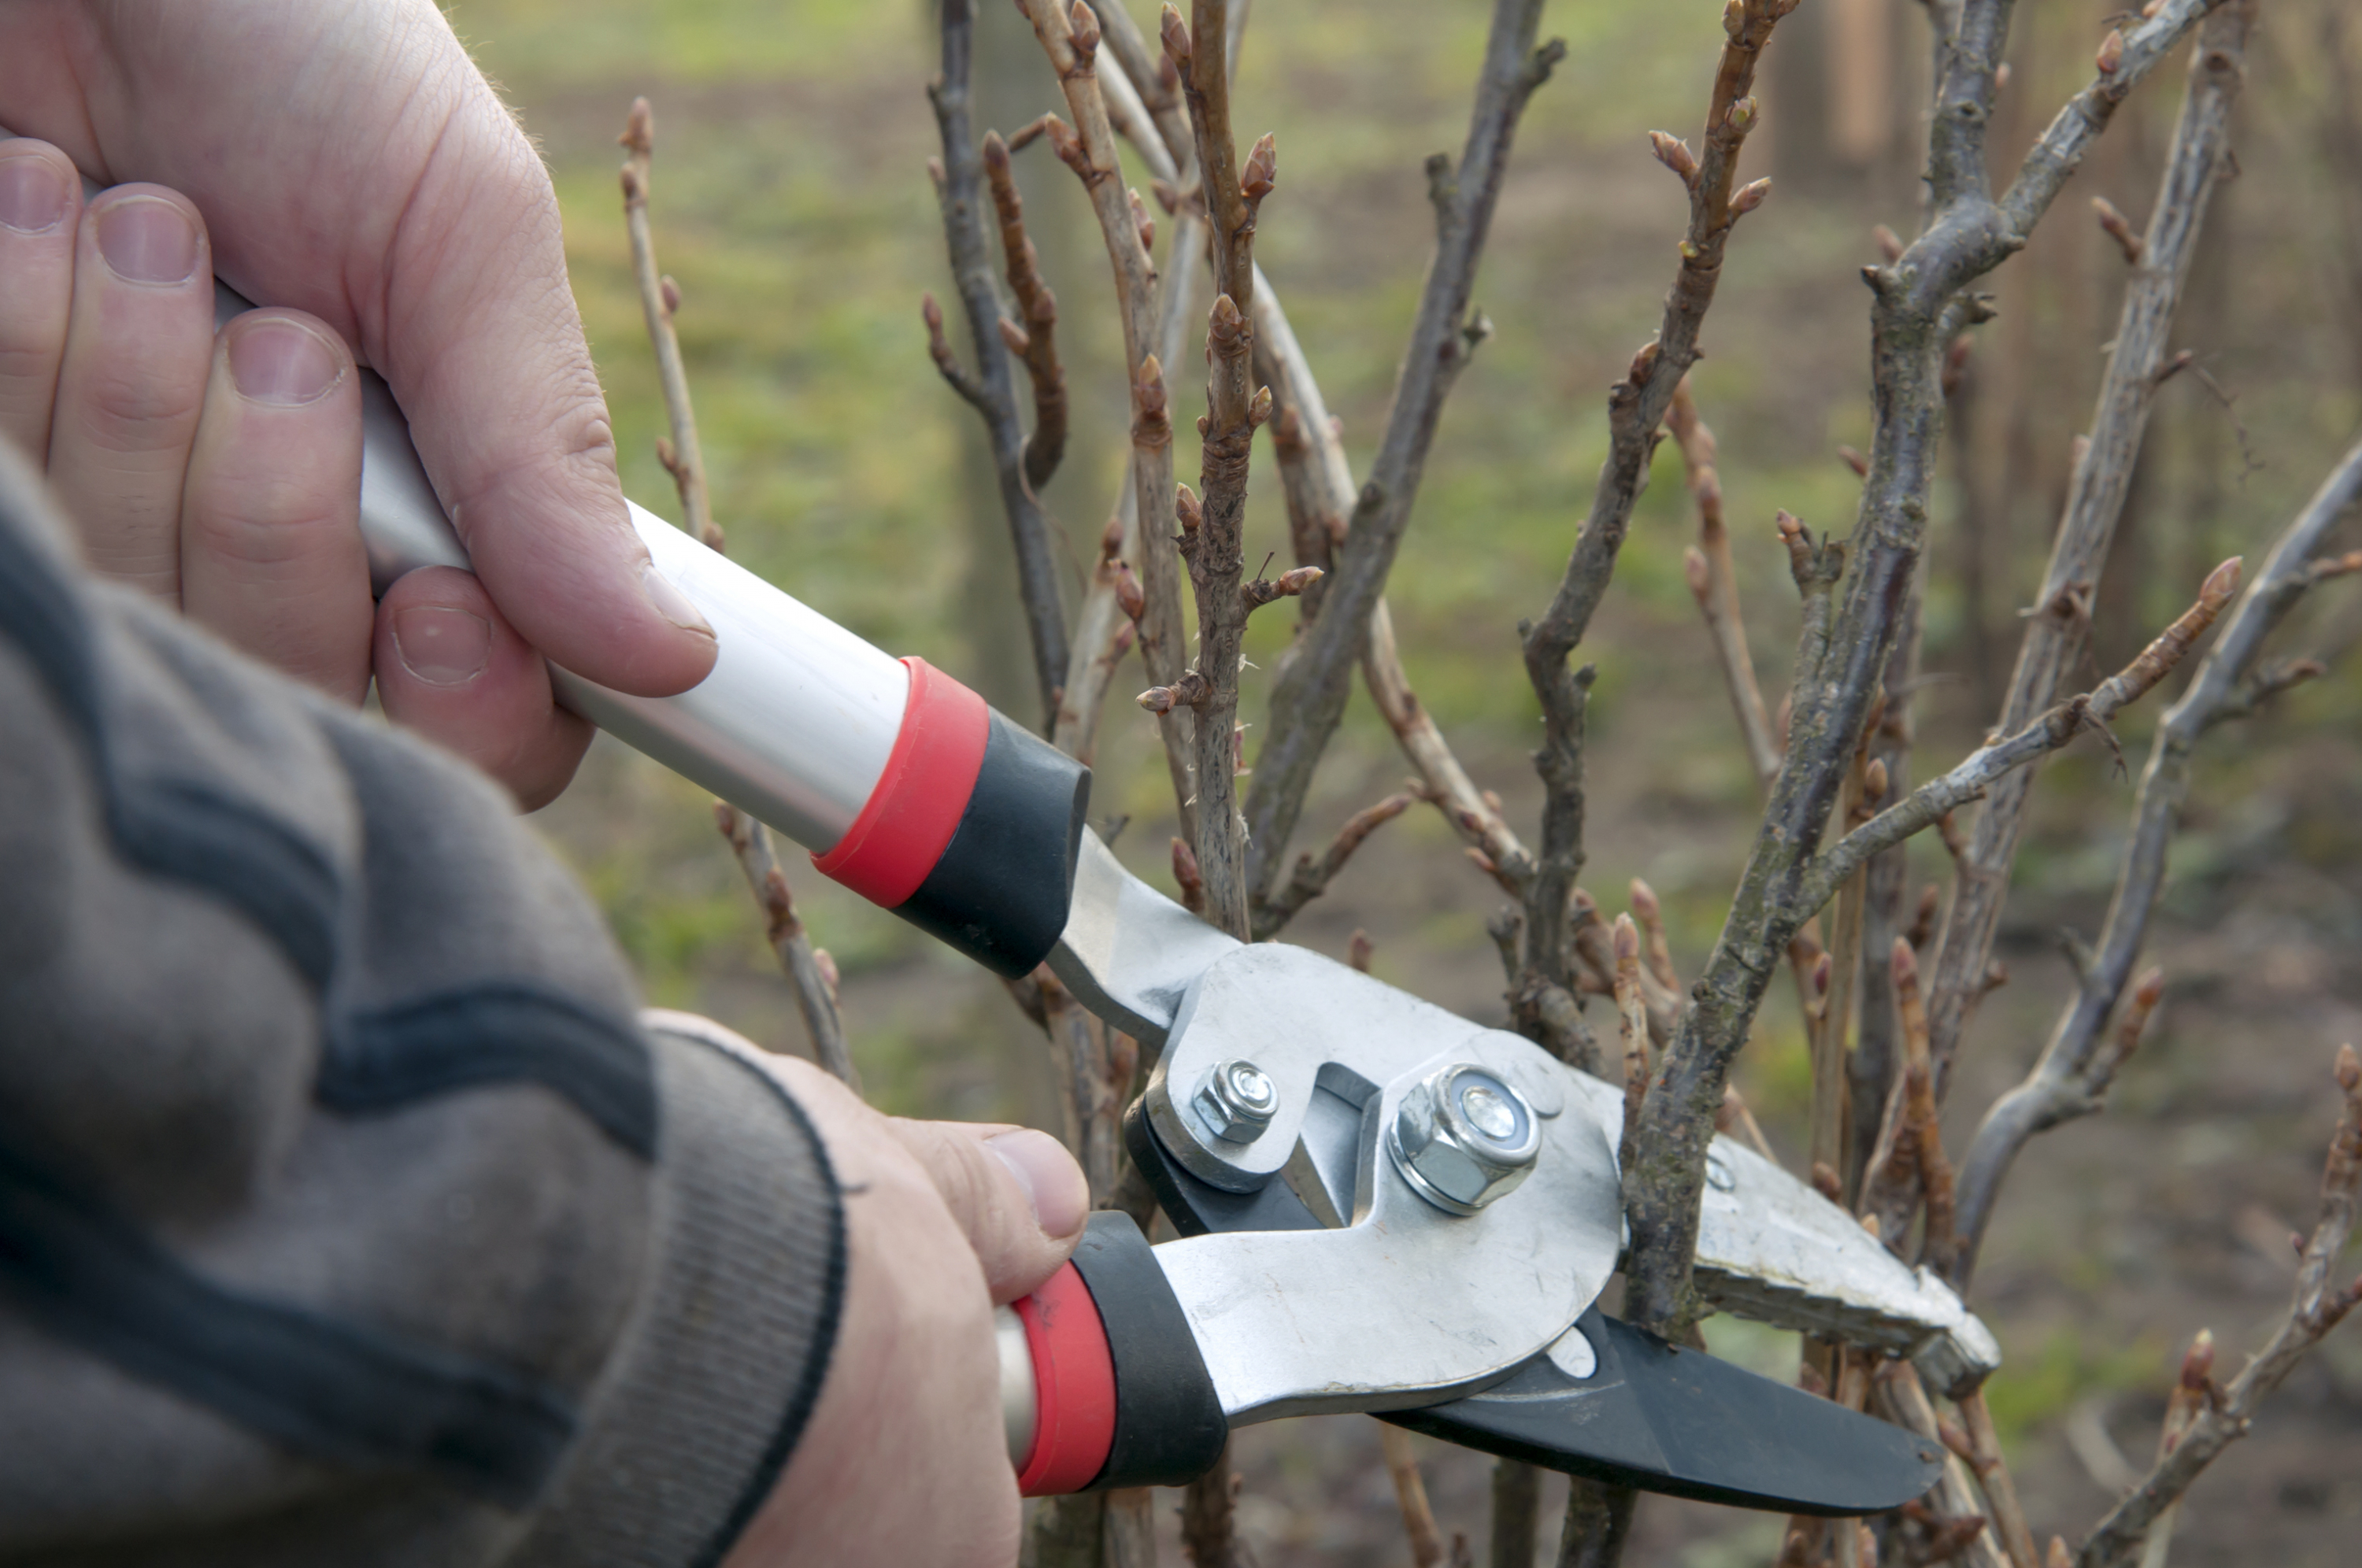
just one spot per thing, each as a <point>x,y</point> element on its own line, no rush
<point>2072,1076</point>
<point>682,456</point>
<point>1977,775</point>
<point>1308,698</point>
<point>1311,878</point>
<point>1980,1447</point>
<point>1089,149</point>
<point>1032,336</point>
<point>809,973</point>
<point>959,193</point>
<point>1410,1495</point>
<point>1113,604</point>
<point>2317,1306</point>
<point>1898,1394</point>
<point>812,976</point>
<point>1715,582</point>
<point>2056,634</point>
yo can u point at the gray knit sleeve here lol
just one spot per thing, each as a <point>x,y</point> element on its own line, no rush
<point>348,1212</point>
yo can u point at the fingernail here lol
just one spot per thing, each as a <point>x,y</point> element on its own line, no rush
<point>1061,1201</point>
<point>671,603</point>
<point>32,194</point>
<point>441,645</point>
<point>280,361</point>
<point>147,239</point>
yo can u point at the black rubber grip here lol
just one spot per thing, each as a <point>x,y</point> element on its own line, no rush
<point>1000,889</point>
<point>1169,1427</point>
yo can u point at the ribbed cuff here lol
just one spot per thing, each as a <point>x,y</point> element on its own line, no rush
<point>718,1371</point>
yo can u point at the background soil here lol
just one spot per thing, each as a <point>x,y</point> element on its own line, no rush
<point>791,201</point>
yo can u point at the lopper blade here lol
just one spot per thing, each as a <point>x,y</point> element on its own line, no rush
<point>1647,1414</point>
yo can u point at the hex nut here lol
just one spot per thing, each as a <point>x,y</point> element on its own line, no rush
<point>1236,1101</point>
<point>1463,1137</point>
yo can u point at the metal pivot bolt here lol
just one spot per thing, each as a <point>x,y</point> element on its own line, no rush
<point>1463,1137</point>
<point>1236,1101</point>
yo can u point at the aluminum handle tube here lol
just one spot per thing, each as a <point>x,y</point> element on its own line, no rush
<point>795,720</point>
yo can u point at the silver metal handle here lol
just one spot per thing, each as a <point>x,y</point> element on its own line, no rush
<point>797,719</point>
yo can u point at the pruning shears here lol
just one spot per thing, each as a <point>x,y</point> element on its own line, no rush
<point>1383,1207</point>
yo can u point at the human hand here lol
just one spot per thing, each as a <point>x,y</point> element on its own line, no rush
<point>350,163</point>
<point>903,1460</point>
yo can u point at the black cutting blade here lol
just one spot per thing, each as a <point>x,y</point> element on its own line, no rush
<point>1650,1414</point>
<point>1664,1418</point>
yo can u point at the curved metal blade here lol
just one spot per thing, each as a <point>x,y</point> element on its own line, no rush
<point>1655,1416</point>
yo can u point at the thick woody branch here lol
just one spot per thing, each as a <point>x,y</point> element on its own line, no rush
<point>1927,805</point>
<point>2071,1076</point>
<point>2320,1302</point>
<point>1113,603</point>
<point>1919,308</point>
<point>1308,698</point>
<point>1089,148</point>
<point>961,198</point>
<point>1213,536</point>
<point>1032,336</point>
<point>2058,631</point>
<point>1715,582</point>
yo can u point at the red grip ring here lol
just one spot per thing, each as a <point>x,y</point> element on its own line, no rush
<point>1074,1387</point>
<point>916,805</point>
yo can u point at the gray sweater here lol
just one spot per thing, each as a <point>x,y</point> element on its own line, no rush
<point>347,1214</point>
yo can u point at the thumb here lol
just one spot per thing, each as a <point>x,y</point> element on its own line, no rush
<point>1016,1193</point>
<point>485,347</point>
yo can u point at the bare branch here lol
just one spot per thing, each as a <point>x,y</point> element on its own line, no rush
<point>1920,305</point>
<point>2059,629</point>
<point>1320,487</point>
<point>1308,698</point>
<point>1410,1495</point>
<point>1976,776</point>
<point>2068,1079</point>
<point>1033,338</point>
<point>1108,624</point>
<point>812,976</point>
<point>1311,878</point>
<point>989,390</point>
<point>2320,1302</point>
<point>1715,582</point>
<point>1089,149</point>
<point>1982,1451</point>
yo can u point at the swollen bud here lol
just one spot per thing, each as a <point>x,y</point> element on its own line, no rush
<point>1085,23</point>
<point>1750,196</point>
<point>1259,407</point>
<point>1262,170</point>
<point>1185,508</point>
<point>2112,52</point>
<point>1674,154</point>
<point>1174,32</point>
<point>1742,115</point>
